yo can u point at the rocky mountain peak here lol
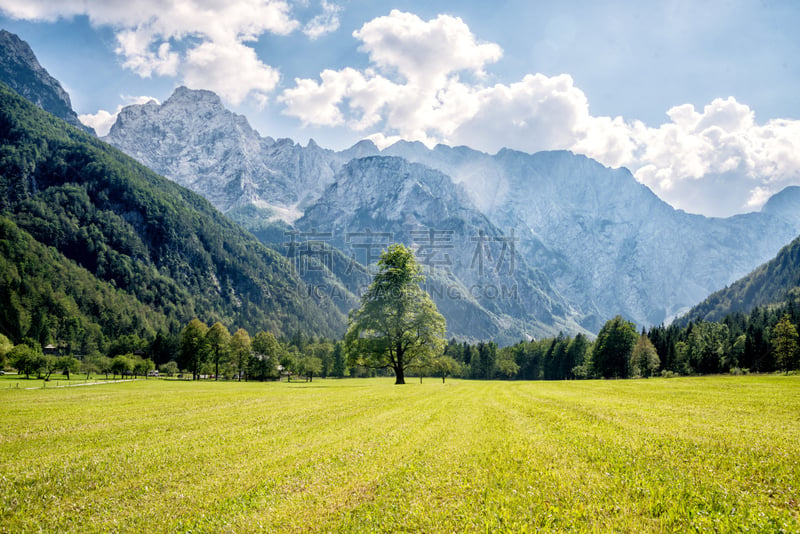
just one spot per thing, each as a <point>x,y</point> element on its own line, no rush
<point>21,71</point>
<point>195,141</point>
<point>183,96</point>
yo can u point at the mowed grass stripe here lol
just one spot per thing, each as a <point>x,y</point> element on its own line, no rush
<point>698,471</point>
<point>716,453</point>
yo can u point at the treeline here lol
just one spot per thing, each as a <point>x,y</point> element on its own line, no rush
<point>199,351</point>
<point>46,298</point>
<point>31,361</point>
<point>766,340</point>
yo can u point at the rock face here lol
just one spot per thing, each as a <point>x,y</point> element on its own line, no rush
<point>590,242</point>
<point>614,246</point>
<point>478,281</point>
<point>20,70</point>
<point>192,139</point>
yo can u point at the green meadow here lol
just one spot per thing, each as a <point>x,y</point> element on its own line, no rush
<point>362,455</point>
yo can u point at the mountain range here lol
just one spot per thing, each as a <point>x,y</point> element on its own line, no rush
<point>514,245</point>
<point>591,239</point>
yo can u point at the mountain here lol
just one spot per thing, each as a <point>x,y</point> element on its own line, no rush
<point>774,282</point>
<point>151,242</point>
<point>473,274</point>
<point>20,70</point>
<point>615,246</point>
<point>49,298</point>
<point>784,205</point>
<point>597,242</point>
<point>192,139</point>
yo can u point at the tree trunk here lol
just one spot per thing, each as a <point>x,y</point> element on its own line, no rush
<point>399,371</point>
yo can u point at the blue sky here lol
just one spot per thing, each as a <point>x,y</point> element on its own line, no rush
<point>698,99</point>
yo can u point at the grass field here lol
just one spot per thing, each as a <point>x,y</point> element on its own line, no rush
<point>685,454</point>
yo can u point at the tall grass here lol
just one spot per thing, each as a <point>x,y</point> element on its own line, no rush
<point>713,453</point>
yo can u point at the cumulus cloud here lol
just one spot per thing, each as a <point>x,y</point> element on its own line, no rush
<point>229,69</point>
<point>211,33</point>
<point>414,90</point>
<point>424,53</point>
<point>103,120</point>
<point>426,83</point>
<point>723,139</point>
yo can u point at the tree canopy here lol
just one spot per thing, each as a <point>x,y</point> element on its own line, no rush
<point>614,347</point>
<point>397,325</point>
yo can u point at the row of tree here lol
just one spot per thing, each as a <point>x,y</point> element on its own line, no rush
<point>764,341</point>
<point>32,361</point>
<point>767,340</point>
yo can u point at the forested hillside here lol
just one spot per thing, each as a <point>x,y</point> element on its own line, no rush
<point>47,297</point>
<point>170,255</point>
<point>774,282</point>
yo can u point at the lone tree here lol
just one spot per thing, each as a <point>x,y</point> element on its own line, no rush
<point>397,324</point>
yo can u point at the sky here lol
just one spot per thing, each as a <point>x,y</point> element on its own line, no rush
<point>700,100</point>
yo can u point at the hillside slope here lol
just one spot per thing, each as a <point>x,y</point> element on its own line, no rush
<point>774,282</point>
<point>160,243</point>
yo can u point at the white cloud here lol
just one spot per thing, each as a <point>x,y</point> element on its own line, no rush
<point>103,120</point>
<point>231,70</point>
<point>212,19</point>
<point>416,90</point>
<point>424,53</point>
<point>324,23</point>
<point>758,197</point>
<point>136,48</point>
<point>723,139</point>
<point>213,31</point>
<point>537,113</point>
